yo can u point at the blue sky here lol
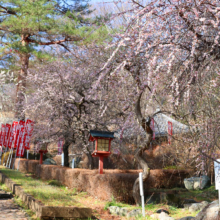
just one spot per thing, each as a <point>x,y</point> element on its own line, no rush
<point>98,1</point>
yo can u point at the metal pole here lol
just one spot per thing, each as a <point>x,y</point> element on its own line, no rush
<point>12,149</point>
<point>219,197</point>
<point>9,156</point>
<point>141,192</point>
<point>62,158</point>
<point>72,163</point>
<point>27,153</point>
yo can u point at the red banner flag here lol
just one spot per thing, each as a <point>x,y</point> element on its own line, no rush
<point>152,128</point>
<point>19,133</point>
<point>19,140</point>
<point>28,133</point>
<point>2,135</point>
<point>20,151</point>
<point>12,133</point>
<point>7,132</point>
<point>170,131</point>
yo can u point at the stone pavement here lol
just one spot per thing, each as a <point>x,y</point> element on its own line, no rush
<point>9,210</point>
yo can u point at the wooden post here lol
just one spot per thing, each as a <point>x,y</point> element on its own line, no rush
<point>41,157</point>
<point>100,165</point>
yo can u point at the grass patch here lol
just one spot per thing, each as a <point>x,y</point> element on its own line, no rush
<point>152,208</point>
<point>4,187</point>
<point>174,212</point>
<point>208,194</point>
<point>171,168</point>
<point>54,183</point>
<point>49,193</point>
<point>167,190</point>
<point>119,204</point>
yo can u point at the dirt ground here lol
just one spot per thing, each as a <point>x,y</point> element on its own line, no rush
<point>97,206</point>
<point>101,214</point>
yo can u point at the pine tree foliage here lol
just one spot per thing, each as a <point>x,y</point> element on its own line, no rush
<point>27,25</point>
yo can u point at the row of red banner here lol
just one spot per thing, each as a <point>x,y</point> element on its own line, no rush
<point>17,135</point>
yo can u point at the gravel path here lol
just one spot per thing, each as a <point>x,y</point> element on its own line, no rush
<point>9,210</point>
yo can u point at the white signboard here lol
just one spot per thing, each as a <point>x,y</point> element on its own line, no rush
<point>217,174</point>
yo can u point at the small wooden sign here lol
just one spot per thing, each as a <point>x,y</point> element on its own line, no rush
<point>217,174</point>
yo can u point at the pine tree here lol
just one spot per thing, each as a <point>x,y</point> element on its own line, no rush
<point>27,25</point>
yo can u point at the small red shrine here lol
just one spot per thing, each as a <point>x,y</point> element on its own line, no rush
<point>102,145</point>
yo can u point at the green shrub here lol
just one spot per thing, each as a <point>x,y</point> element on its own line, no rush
<point>54,183</point>
<point>114,203</point>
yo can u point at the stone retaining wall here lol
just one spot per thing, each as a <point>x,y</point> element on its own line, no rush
<point>117,183</point>
<point>45,212</point>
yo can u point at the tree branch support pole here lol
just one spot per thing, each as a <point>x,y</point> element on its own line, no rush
<point>142,193</point>
<point>12,151</point>
<point>219,197</point>
<point>12,148</point>
<point>62,159</point>
<point>9,157</point>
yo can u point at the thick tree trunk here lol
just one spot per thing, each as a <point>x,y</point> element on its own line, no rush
<point>145,123</point>
<point>66,153</point>
<point>21,86</point>
<point>91,161</point>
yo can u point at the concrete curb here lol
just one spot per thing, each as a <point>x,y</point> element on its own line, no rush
<point>45,212</point>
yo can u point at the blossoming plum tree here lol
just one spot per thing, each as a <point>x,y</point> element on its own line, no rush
<point>61,101</point>
<point>170,52</point>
